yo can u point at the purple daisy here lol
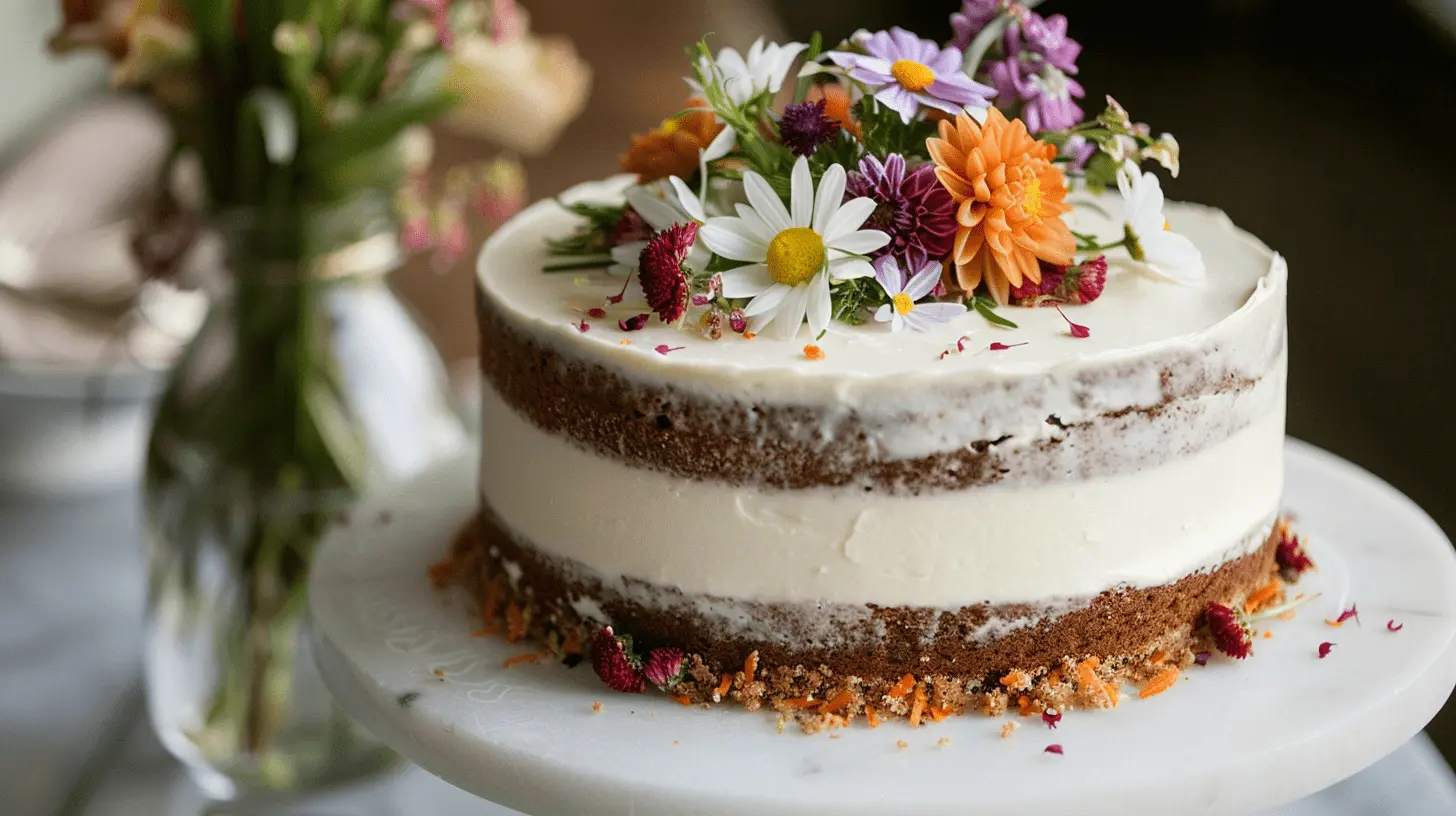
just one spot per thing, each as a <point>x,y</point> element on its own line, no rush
<point>906,72</point>
<point>913,208</point>
<point>1047,36</point>
<point>804,127</point>
<point>902,311</point>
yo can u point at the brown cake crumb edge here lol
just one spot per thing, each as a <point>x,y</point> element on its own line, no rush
<point>817,698</point>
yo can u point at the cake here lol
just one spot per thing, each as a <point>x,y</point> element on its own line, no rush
<point>982,482</point>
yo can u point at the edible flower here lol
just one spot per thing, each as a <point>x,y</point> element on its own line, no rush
<point>1147,235</point>
<point>902,311</point>
<point>906,72</point>
<point>663,273</point>
<point>745,77</point>
<point>1011,201</point>
<point>805,126</point>
<point>911,206</point>
<point>672,148</point>
<point>793,254</point>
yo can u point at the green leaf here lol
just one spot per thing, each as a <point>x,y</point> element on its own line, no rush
<point>986,307</point>
<point>720,264</point>
<point>884,132</point>
<point>853,300</point>
<point>816,46</point>
<point>377,126</point>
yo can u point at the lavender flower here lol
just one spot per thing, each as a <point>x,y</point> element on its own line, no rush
<point>973,16</point>
<point>804,127</point>
<point>913,208</point>
<point>902,311</point>
<point>1047,37</point>
<point>907,72</point>
<point>1039,56</point>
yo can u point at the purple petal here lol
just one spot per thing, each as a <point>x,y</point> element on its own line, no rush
<point>967,94</point>
<point>947,62</point>
<point>870,77</point>
<point>897,99</point>
<point>894,170</point>
<point>939,312</point>
<point>907,45</point>
<point>880,45</point>
<point>938,104</point>
<point>889,274</point>
<point>924,280</point>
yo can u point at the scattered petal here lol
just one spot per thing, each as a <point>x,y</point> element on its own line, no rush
<point>1201,658</point>
<point>665,348</point>
<point>1051,717</point>
<point>1004,346</point>
<point>1324,649</point>
<point>583,327</point>
<point>1053,749</point>
<point>633,323</point>
<point>813,352</point>
<point>596,312</point>
<point>1393,626</point>
<point>1076,329</point>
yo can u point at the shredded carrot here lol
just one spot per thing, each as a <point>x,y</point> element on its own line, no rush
<point>1158,656</point>
<point>750,665</point>
<point>1023,705</point>
<point>872,716</point>
<point>1268,634</point>
<point>1087,673</point>
<point>917,708</point>
<point>439,672</point>
<point>813,352</point>
<point>624,342</point>
<point>801,702</point>
<point>1161,682</point>
<point>836,702</point>
<point>749,335</point>
<point>939,714</point>
<point>491,607</point>
<point>529,657</point>
<point>515,623</point>
<point>572,645</point>
<point>1008,728</point>
<point>1286,615</point>
<point>682,699</point>
<point>1094,661</point>
<point>486,631</point>
<point>441,573</point>
<point>1111,690</point>
<point>1262,596</point>
<point>1054,677</point>
<point>901,688</point>
<point>1014,680</point>
<point>723,687</point>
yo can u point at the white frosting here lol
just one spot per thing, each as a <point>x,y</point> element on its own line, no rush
<point>996,544</point>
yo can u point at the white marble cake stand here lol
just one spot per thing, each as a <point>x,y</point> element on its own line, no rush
<point>1229,738</point>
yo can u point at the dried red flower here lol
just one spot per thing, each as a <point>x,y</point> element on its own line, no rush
<point>1393,626</point>
<point>662,275</point>
<point>1078,284</point>
<point>1053,749</point>
<point>614,665</point>
<point>1290,555</point>
<point>1230,634</point>
<point>1324,649</point>
<point>1004,346</point>
<point>737,322</point>
<point>596,312</point>
<point>1051,717</point>
<point>663,666</point>
<point>583,327</point>
<point>804,126</point>
<point>1076,329</point>
<point>634,323</point>
<point>1201,658</point>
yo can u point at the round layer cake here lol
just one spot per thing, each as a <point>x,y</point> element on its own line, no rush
<point>967,502</point>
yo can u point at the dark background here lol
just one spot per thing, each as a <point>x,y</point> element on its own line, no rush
<point>1328,130</point>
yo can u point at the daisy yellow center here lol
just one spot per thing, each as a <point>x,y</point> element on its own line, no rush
<point>912,76</point>
<point>795,256</point>
<point>1031,197</point>
<point>903,303</point>
<point>670,126</point>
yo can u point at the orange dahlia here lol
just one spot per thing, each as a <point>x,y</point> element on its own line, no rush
<point>1011,200</point>
<point>672,149</point>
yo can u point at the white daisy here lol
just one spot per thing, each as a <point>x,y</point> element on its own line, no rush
<point>902,310</point>
<point>793,254</point>
<point>676,205</point>
<point>1149,238</point>
<point>743,78</point>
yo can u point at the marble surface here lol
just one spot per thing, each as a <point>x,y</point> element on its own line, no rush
<point>1285,724</point>
<point>73,738</point>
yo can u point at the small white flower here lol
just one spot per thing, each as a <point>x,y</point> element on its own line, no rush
<point>1165,152</point>
<point>1121,148</point>
<point>676,205</point>
<point>902,311</point>
<point>1149,238</point>
<point>743,79</point>
<point>793,254</point>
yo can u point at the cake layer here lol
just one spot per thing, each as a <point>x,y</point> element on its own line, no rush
<point>997,544</point>
<point>875,643</point>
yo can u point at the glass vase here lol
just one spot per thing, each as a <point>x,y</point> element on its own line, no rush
<point>308,384</point>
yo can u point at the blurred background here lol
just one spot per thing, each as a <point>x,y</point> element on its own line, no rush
<point>1326,130</point>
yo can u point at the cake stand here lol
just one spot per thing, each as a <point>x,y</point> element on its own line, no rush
<point>1228,738</point>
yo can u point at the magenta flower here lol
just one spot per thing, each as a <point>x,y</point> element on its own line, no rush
<point>906,73</point>
<point>914,208</point>
<point>804,127</point>
<point>1044,90</point>
<point>973,16</point>
<point>1047,37</point>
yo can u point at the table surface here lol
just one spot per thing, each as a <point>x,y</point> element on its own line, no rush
<point>73,733</point>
